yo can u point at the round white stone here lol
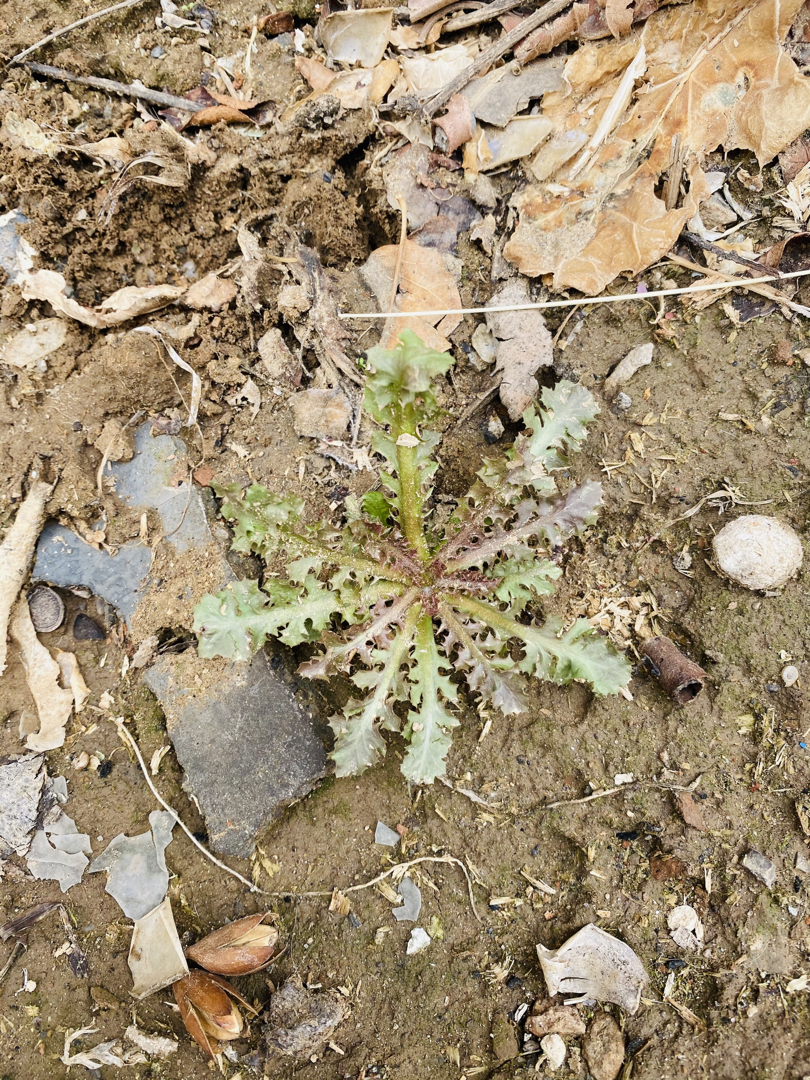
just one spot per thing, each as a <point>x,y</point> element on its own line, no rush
<point>758,552</point>
<point>790,675</point>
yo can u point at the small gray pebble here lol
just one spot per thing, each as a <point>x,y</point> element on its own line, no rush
<point>623,401</point>
<point>157,52</point>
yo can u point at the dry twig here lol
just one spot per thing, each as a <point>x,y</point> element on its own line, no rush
<point>111,86</point>
<point>73,26</point>
<point>484,61</point>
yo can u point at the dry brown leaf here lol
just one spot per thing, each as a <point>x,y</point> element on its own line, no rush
<point>425,284</point>
<point>134,300</point>
<point>235,103</point>
<point>717,75</point>
<point>458,123</point>
<point>216,114</point>
<point>50,286</point>
<point>314,72</point>
<point>54,705</point>
<point>691,811</point>
<point>619,16</point>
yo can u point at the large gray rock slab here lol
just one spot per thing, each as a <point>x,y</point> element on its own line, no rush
<point>246,743</point>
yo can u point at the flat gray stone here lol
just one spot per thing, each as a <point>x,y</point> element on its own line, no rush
<point>247,745</point>
<point>64,559</point>
<point>156,478</point>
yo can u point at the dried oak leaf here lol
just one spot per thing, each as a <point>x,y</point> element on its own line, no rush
<point>619,16</point>
<point>425,284</point>
<point>716,75</point>
<point>457,123</point>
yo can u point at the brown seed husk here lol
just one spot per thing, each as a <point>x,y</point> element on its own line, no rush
<point>240,948</point>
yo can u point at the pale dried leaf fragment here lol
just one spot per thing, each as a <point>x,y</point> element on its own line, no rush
<point>196,381</point>
<point>29,348</point>
<point>427,74</point>
<point>594,964</point>
<point>17,554</point>
<point>26,133</point>
<point>156,1046</point>
<point>73,678</point>
<point>134,300</point>
<point>524,344</point>
<point>156,957</point>
<point>357,37</point>
<point>50,286</point>
<point>54,705</point>
<point>211,292</point>
<point>636,359</point>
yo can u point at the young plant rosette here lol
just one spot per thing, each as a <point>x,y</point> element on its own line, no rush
<point>416,601</point>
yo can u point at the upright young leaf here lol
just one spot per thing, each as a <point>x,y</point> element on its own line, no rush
<point>398,389</point>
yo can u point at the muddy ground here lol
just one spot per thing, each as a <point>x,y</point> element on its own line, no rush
<point>622,861</point>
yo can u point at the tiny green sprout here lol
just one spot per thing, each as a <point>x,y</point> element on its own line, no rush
<point>398,602</point>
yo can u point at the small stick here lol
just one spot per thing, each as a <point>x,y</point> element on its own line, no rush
<point>110,86</point>
<point>730,283</point>
<point>125,736</point>
<point>403,236</point>
<point>588,798</point>
<point>15,952</point>
<point>483,14</point>
<point>73,26</point>
<point>672,184</point>
<point>485,60</point>
<point>715,249</point>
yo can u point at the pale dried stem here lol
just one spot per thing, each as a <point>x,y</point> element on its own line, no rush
<point>73,26</point>
<point>619,298</point>
<point>17,554</point>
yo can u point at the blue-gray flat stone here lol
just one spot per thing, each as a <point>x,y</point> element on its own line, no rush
<point>247,745</point>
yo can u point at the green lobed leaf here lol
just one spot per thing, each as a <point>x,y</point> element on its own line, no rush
<point>560,426</point>
<point>579,653</point>
<point>358,743</point>
<point>428,721</point>
<point>232,623</point>
<point>261,518</point>
<point>523,578</point>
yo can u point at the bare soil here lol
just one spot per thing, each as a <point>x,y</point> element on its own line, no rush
<point>622,861</point>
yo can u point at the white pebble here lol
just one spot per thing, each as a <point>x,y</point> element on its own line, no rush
<point>758,552</point>
<point>419,940</point>
<point>790,675</point>
<point>554,1049</point>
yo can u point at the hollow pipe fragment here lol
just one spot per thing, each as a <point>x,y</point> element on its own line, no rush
<point>679,676</point>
